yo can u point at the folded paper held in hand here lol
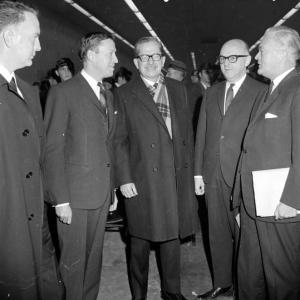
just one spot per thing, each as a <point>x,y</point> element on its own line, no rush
<point>268,186</point>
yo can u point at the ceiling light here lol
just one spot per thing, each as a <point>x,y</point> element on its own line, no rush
<point>98,22</point>
<point>144,22</point>
<point>194,60</point>
<point>280,22</point>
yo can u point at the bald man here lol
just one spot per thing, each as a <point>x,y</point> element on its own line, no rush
<point>223,120</point>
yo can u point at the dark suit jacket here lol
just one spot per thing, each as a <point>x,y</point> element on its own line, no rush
<point>219,138</point>
<point>160,167</point>
<point>21,201</point>
<point>274,143</point>
<point>196,93</point>
<point>78,145</point>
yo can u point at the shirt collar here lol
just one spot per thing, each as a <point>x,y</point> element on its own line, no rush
<point>237,84</point>
<point>6,74</point>
<point>279,78</point>
<point>92,81</point>
<point>149,82</point>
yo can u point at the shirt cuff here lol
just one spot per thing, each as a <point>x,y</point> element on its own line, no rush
<point>198,176</point>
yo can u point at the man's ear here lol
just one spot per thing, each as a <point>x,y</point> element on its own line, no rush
<point>248,60</point>
<point>56,73</point>
<point>135,61</point>
<point>9,37</point>
<point>90,55</point>
<point>163,59</point>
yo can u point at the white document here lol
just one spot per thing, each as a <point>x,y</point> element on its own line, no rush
<point>268,186</point>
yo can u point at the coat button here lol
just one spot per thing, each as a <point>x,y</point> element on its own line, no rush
<point>222,137</point>
<point>184,143</point>
<point>29,219</point>
<point>186,165</point>
<point>244,150</point>
<point>25,132</point>
<point>108,165</point>
<point>28,175</point>
<point>155,169</point>
<point>152,145</point>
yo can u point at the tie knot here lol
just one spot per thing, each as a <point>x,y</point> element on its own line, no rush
<point>231,85</point>
<point>102,88</point>
<point>155,85</point>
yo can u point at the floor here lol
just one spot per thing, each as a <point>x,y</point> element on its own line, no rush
<point>114,284</point>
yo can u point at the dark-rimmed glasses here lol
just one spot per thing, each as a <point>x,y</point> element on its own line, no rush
<point>146,57</point>
<point>231,58</point>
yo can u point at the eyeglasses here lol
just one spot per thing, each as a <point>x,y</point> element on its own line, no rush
<point>146,57</point>
<point>232,58</point>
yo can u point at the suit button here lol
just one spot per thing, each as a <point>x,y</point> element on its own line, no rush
<point>108,165</point>
<point>25,132</point>
<point>32,215</point>
<point>222,137</point>
<point>244,150</point>
<point>29,219</point>
<point>28,175</point>
<point>184,143</point>
<point>152,145</point>
<point>186,165</point>
<point>155,169</point>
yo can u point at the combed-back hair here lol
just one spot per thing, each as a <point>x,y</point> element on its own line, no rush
<point>91,41</point>
<point>12,12</point>
<point>287,38</point>
<point>145,40</point>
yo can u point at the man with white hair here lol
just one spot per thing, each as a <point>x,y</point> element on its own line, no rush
<point>269,260</point>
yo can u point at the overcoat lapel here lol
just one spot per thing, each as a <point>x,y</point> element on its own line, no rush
<point>177,122</point>
<point>146,99</point>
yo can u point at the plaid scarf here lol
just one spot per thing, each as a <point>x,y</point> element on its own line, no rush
<point>160,96</point>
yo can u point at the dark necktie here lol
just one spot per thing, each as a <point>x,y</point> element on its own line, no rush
<point>229,96</point>
<point>271,86</point>
<point>13,85</point>
<point>102,97</point>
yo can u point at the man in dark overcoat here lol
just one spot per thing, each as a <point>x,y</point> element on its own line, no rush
<point>154,148</point>
<point>22,268</point>
<point>79,120</point>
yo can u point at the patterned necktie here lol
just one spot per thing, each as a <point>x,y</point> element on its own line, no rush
<point>102,97</point>
<point>229,96</point>
<point>152,89</point>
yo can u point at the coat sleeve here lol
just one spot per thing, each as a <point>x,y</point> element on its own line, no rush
<point>291,190</point>
<point>56,122</point>
<point>200,139</point>
<point>122,170</point>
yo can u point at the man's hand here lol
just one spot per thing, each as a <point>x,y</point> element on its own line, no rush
<point>284,211</point>
<point>64,213</point>
<point>199,186</point>
<point>128,190</point>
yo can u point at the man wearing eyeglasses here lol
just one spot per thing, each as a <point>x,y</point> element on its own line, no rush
<point>223,119</point>
<point>153,145</point>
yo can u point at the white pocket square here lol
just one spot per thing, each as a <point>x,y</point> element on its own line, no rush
<point>270,116</point>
